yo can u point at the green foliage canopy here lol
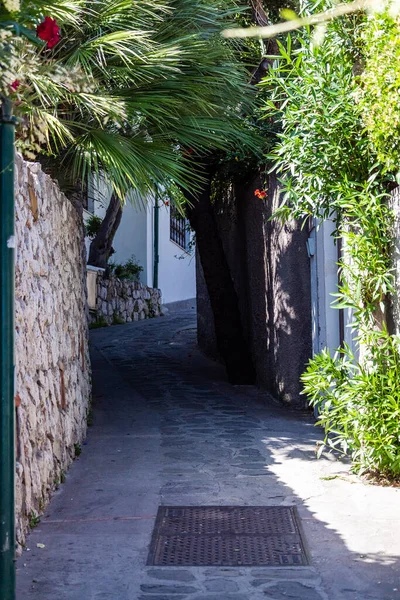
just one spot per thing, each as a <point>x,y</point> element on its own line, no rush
<point>379,90</point>
<point>331,166</point>
<point>131,86</point>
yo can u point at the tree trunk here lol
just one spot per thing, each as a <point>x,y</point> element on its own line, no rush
<point>260,16</point>
<point>101,246</point>
<point>231,342</point>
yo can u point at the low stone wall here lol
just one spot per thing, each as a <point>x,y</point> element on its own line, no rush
<point>123,301</point>
<point>52,359</point>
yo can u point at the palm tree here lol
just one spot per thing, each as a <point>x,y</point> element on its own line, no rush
<point>130,85</point>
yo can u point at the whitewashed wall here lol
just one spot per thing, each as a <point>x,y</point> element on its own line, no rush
<point>323,252</point>
<point>177,269</point>
<point>52,359</point>
<point>327,330</point>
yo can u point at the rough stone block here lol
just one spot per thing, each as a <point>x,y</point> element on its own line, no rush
<point>167,589</point>
<point>171,574</point>
<point>221,585</point>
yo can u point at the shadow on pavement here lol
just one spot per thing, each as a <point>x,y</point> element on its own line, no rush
<point>168,429</point>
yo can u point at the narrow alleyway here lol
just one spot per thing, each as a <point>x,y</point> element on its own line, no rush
<point>168,430</point>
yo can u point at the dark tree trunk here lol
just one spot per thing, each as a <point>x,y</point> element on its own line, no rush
<point>101,246</point>
<point>231,341</point>
<point>260,16</point>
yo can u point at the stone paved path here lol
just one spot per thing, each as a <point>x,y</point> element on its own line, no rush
<point>169,430</point>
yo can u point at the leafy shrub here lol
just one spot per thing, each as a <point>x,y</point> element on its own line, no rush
<point>359,403</point>
<point>322,152</point>
<point>130,270</point>
<point>332,166</point>
<point>92,226</point>
<point>379,91</point>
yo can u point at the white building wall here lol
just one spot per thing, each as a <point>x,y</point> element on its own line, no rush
<point>177,268</point>
<point>326,324</point>
<point>324,282</point>
<point>131,239</point>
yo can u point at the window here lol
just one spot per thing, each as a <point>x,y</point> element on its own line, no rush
<point>179,229</point>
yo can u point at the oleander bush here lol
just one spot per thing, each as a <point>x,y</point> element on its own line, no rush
<point>331,92</point>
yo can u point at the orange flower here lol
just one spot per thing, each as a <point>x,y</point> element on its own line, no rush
<point>260,194</point>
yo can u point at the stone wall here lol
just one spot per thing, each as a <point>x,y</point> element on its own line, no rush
<point>52,360</point>
<point>123,301</point>
<point>271,272</point>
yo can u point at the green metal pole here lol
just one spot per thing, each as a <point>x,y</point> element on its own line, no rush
<point>7,407</point>
<point>156,239</point>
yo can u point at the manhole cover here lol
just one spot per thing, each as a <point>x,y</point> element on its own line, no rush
<point>227,536</point>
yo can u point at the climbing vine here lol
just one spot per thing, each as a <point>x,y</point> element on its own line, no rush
<point>333,161</point>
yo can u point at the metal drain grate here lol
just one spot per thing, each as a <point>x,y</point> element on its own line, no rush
<point>227,536</point>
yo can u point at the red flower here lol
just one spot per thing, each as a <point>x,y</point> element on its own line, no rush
<point>15,85</point>
<point>260,194</point>
<point>166,203</point>
<point>49,32</point>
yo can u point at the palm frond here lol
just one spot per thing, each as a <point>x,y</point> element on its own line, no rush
<point>160,79</point>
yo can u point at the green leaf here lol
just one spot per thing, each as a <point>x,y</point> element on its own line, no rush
<point>288,14</point>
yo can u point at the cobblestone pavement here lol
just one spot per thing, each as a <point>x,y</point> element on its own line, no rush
<point>169,430</point>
